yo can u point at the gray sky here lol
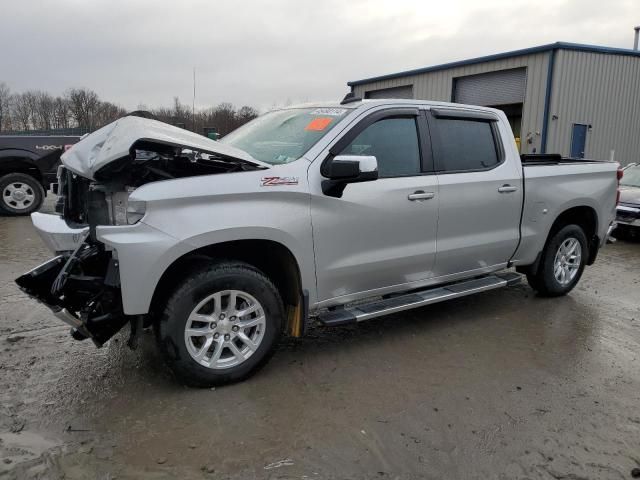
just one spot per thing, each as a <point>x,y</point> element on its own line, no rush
<point>142,52</point>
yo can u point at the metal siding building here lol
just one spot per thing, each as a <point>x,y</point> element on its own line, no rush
<point>556,96</point>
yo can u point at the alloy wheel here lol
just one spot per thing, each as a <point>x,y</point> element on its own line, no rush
<point>225,329</point>
<point>567,261</point>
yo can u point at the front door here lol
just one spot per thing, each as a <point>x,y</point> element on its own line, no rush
<point>379,235</point>
<point>480,193</point>
<point>578,140</point>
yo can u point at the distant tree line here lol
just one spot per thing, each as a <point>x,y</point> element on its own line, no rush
<point>83,109</point>
<point>223,118</point>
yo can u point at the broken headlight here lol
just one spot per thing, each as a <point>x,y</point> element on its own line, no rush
<point>126,211</point>
<point>135,211</point>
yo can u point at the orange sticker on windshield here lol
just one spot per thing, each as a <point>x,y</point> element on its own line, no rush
<point>318,124</point>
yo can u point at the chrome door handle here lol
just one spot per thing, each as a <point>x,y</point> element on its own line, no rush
<point>507,189</point>
<point>420,195</point>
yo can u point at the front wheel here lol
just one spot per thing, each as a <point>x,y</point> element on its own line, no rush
<point>221,325</point>
<point>562,262</point>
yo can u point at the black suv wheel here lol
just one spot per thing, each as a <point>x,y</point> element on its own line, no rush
<point>20,194</point>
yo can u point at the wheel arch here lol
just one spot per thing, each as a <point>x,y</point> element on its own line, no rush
<point>19,161</point>
<point>273,258</point>
<point>584,216</point>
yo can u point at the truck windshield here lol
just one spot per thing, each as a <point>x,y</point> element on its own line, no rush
<point>283,136</point>
<point>631,177</point>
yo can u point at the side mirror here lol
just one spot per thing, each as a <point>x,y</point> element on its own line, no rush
<point>344,169</point>
<point>352,168</point>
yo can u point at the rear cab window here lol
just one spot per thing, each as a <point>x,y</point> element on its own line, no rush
<point>464,144</point>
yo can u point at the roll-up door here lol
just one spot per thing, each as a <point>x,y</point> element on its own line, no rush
<point>405,91</point>
<point>502,87</point>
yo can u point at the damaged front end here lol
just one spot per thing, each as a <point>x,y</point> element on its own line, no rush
<point>81,285</point>
<point>82,289</point>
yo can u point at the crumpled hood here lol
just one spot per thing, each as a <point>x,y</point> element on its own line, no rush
<point>115,140</point>
<point>630,194</point>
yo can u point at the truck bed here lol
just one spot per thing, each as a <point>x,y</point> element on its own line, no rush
<point>553,185</point>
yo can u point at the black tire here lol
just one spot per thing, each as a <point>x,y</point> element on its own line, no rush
<point>544,280</point>
<point>8,205</point>
<point>620,232</point>
<point>626,232</point>
<point>198,285</point>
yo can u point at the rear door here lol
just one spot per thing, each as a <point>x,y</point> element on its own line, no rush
<point>480,192</point>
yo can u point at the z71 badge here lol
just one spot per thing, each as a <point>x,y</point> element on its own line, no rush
<point>275,181</point>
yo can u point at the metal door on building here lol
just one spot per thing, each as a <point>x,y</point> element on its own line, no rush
<point>578,140</point>
<point>405,91</point>
<point>502,87</point>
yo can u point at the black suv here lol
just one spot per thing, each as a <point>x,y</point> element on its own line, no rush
<point>28,166</point>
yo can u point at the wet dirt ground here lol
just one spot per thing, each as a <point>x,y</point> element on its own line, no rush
<point>499,385</point>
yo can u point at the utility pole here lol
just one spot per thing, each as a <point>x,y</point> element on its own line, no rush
<point>193,103</point>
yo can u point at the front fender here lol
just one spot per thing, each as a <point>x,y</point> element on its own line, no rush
<point>186,214</point>
<point>144,253</point>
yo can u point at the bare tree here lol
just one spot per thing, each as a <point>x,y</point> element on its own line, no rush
<point>107,112</point>
<point>181,112</point>
<point>5,100</point>
<point>246,114</point>
<point>83,105</point>
<point>30,99</point>
<point>164,114</point>
<point>21,111</point>
<point>61,113</point>
<point>223,118</point>
<point>44,111</point>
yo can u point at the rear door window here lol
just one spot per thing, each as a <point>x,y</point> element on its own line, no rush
<point>461,145</point>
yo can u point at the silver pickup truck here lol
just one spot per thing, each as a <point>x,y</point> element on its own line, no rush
<point>338,212</point>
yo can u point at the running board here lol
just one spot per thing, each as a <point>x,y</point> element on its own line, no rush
<point>361,312</point>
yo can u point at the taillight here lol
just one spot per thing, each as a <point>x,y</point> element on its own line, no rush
<point>620,174</point>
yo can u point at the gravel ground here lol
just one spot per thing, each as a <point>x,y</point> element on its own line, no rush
<point>499,385</point>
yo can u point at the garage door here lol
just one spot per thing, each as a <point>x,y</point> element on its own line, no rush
<point>495,88</point>
<point>405,91</point>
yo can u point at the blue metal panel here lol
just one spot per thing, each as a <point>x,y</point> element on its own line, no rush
<point>515,53</point>
<point>547,101</point>
<point>578,140</point>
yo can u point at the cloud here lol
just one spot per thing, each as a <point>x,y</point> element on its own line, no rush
<point>265,53</point>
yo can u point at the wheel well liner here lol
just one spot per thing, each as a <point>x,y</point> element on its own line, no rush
<point>272,258</point>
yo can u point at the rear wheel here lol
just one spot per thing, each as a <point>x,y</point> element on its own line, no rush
<point>20,194</point>
<point>562,262</point>
<point>221,325</point>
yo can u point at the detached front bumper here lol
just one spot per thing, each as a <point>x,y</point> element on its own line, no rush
<point>56,234</point>
<point>37,284</point>
<point>81,285</point>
